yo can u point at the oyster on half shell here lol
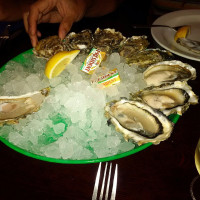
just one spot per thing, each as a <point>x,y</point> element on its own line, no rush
<point>168,71</point>
<point>12,108</point>
<point>82,41</point>
<point>138,121</point>
<point>107,40</point>
<point>148,57</point>
<point>49,46</point>
<point>170,98</point>
<point>132,45</point>
<point>191,45</point>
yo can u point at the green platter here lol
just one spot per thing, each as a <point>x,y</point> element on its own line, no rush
<point>174,118</point>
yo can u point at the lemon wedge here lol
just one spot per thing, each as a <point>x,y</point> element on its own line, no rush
<point>57,63</point>
<point>182,32</point>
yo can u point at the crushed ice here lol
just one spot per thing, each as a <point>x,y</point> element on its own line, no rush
<point>71,122</point>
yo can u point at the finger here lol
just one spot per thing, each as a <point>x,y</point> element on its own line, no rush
<point>36,11</point>
<point>52,17</point>
<point>65,27</point>
<point>25,20</point>
<point>39,34</point>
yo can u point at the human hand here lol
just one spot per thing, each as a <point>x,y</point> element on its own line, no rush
<point>65,12</point>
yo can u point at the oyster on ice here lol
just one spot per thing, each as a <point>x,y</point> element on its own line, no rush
<point>138,121</point>
<point>82,41</point>
<point>12,108</point>
<point>170,98</point>
<point>132,45</point>
<point>148,57</point>
<point>168,71</point>
<point>49,46</point>
<point>107,40</point>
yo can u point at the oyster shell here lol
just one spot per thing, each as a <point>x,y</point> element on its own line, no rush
<point>148,57</point>
<point>107,40</point>
<point>191,45</point>
<point>138,121</point>
<point>49,46</point>
<point>170,98</point>
<point>132,45</point>
<point>168,71</point>
<point>82,41</point>
<point>12,108</point>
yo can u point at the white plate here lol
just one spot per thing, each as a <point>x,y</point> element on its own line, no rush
<point>165,36</point>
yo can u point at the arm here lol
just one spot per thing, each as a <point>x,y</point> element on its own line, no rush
<point>65,12</point>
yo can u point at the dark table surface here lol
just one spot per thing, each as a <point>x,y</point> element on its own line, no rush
<point>163,171</point>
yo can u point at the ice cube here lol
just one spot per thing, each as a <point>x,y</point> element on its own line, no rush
<point>126,146</point>
<point>55,81</point>
<point>114,59</point>
<point>34,81</point>
<point>66,148</point>
<point>59,128</point>
<point>52,150</point>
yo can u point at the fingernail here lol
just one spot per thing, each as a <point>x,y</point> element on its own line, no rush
<point>39,34</point>
<point>62,35</point>
<point>33,42</point>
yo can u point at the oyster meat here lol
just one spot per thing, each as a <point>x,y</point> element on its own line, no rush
<point>82,41</point>
<point>170,98</point>
<point>132,45</point>
<point>148,57</point>
<point>12,108</point>
<point>191,45</point>
<point>108,40</point>
<point>49,46</point>
<point>168,71</point>
<point>138,121</point>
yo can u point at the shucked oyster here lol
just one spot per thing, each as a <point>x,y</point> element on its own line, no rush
<point>138,121</point>
<point>168,71</point>
<point>107,40</point>
<point>132,45</point>
<point>169,98</point>
<point>191,45</point>
<point>12,108</point>
<point>82,41</point>
<point>49,46</point>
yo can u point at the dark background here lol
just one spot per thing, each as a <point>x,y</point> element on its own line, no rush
<point>163,171</point>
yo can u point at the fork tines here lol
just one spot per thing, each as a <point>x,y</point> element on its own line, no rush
<point>105,180</point>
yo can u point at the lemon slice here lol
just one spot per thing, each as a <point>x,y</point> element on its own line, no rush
<point>182,32</point>
<point>57,63</point>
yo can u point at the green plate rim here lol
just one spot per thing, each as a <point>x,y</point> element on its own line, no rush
<point>174,118</point>
<point>65,161</point>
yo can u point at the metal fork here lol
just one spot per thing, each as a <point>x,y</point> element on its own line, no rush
<point>175,28</point>
<point>105,180</point>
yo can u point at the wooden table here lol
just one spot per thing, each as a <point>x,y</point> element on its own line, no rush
<point>163,171</point>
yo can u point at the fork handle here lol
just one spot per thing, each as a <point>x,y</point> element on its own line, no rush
<point>150,26</point>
